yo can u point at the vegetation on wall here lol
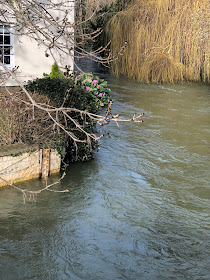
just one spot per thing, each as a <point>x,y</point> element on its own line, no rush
<point>167,40</point>
<point>22,123</point>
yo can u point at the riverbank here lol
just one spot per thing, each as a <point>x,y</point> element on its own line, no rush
<point>60,122</point>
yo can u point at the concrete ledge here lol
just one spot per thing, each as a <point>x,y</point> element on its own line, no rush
<point>16,149</point>
<point>27,165</point>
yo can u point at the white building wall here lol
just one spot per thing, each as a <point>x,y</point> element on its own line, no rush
<point>31,60</point>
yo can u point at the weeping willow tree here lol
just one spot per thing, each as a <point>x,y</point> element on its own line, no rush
<point>168,40</point>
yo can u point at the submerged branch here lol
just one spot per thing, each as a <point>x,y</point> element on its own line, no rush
<point>27,192</point>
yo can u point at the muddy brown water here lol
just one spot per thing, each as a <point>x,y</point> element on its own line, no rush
<point>139,210</point>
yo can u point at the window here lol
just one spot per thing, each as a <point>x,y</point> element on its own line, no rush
<point>6,46</point>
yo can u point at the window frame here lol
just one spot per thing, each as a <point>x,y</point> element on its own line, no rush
<point>11,45</point>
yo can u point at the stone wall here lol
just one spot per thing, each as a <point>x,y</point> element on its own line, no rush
<point>29,165</point>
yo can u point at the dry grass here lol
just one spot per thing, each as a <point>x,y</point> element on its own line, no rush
<point>21,123</point>
<point>168,40</point>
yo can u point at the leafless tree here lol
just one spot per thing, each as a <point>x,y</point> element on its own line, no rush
<point>49,24</point>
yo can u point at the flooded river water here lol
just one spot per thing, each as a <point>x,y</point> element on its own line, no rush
<point>139,210</point>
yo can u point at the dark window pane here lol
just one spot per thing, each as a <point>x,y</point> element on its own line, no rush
<point>7,40</point>
<point>7,59</point>
<point>1,39</point>
<point>7,50</point>
<point>1,50</point>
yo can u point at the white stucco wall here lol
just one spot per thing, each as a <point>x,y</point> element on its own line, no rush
<point>30,58</point>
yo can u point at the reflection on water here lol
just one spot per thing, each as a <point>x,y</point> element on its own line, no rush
<point>139,210</point>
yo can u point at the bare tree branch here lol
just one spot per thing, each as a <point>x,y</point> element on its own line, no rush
<point>39,21</point>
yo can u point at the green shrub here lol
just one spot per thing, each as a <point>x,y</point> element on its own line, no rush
<point>55,72</point>
<point>96,88</point>
<point>55,89</point>
<point>81,91</point>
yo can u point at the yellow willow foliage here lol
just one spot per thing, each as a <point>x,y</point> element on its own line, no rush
<point>168,40</point>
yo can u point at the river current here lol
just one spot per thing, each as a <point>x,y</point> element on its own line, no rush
<point>139,211</point>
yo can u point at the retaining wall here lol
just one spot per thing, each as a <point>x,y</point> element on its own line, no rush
<point>29,165</point>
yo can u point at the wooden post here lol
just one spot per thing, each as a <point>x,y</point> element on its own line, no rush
<point>46,163</point>
<point>40,162</point>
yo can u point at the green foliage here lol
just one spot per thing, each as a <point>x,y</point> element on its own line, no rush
<point>55,89</point>
<point>55,72</point>
<point>95,87</point>
<point>85,92</point>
